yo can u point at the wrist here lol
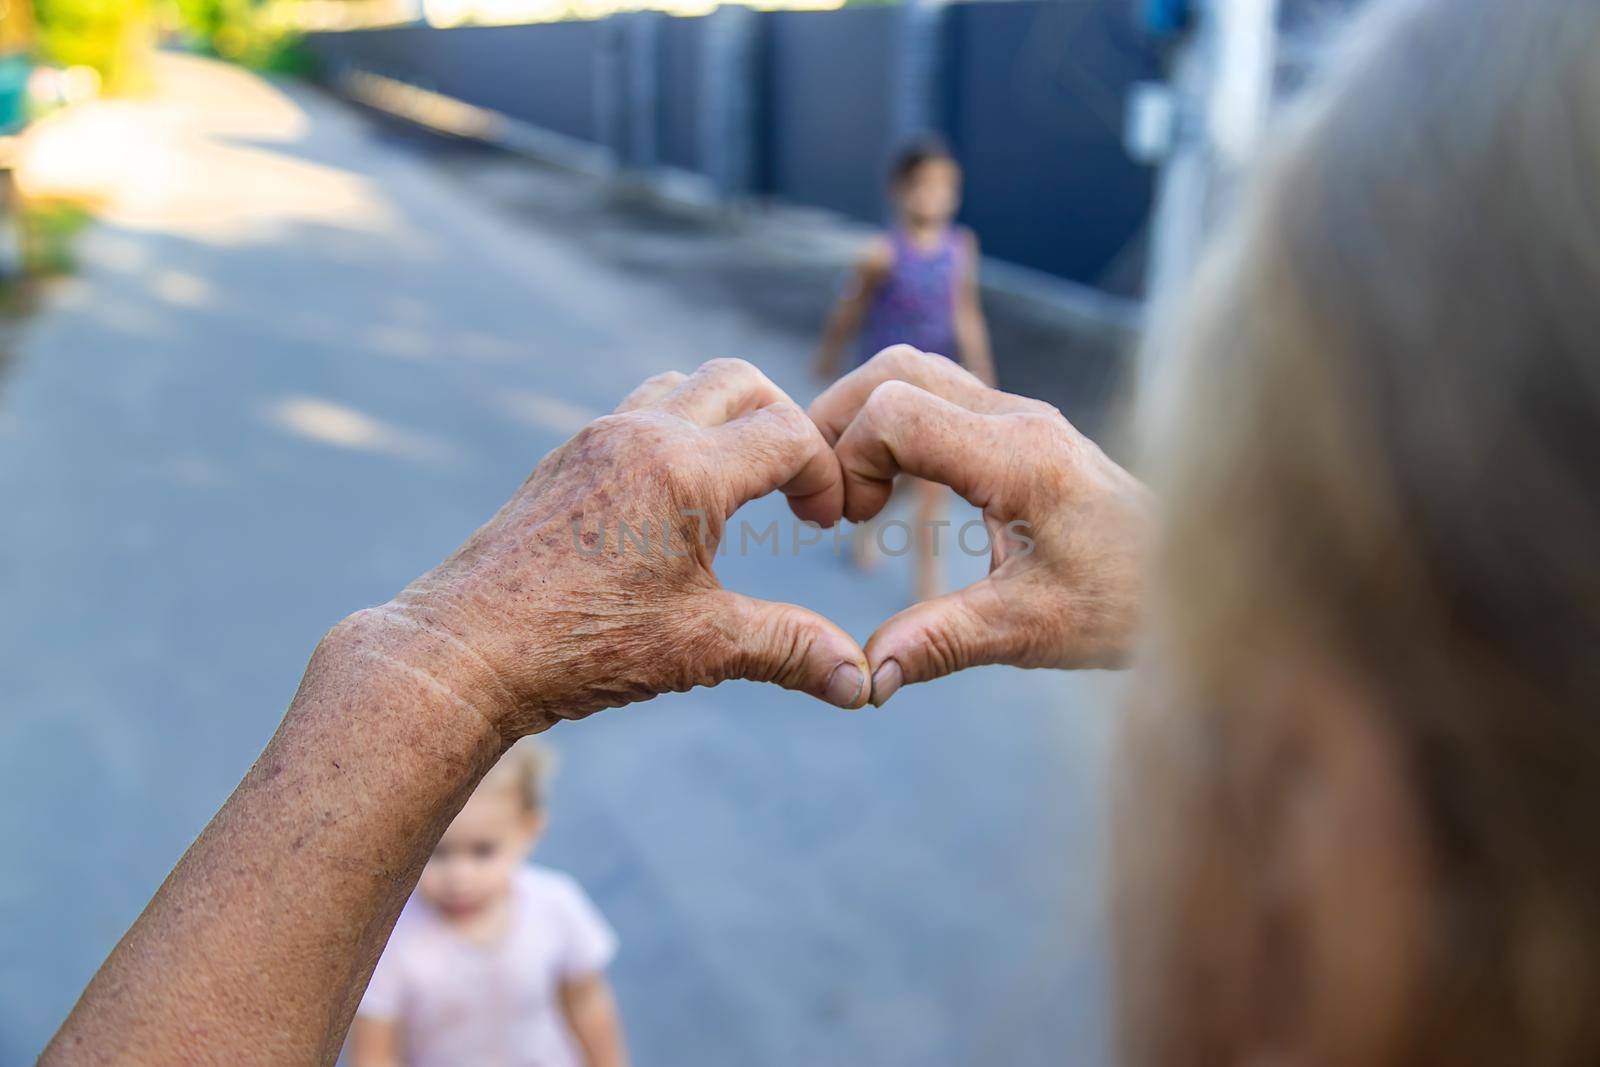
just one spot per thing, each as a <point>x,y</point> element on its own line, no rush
<point>400,644</point>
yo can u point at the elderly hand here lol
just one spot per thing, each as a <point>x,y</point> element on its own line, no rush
<point>1067,525</point>
<point>288,895</point>
<point>593,586</point>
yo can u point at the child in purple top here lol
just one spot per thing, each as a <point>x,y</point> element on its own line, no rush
<point>917,285</point>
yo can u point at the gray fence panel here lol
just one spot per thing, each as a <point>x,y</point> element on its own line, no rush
<point>828,109</point>
<point>546,74</point>
<point>1035,104</point>
<point>680,96</point>
<point>808,106</point>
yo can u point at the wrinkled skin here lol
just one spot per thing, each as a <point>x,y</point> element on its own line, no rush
<point>1071,598</point>
<point>568,617</point>
<point>257,947</point>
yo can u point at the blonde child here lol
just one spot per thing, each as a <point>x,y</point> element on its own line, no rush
<point>493,960</point>
<point>916,285</point>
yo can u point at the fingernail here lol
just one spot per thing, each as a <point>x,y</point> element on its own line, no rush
<point>844,685</point>
<point>885,681</point>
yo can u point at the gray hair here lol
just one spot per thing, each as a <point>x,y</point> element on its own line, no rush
<point>1386,441</point>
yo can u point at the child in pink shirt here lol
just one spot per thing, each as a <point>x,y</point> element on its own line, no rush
<point>493,961</point>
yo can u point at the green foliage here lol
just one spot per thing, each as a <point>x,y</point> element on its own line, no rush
<point>245,32</point>
<point>49,232</point>
<point>115,37</point>
<point>206,18</point>
<point>44,234</point>
<point>112,36</point>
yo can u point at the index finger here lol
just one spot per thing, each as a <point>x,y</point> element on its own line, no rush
<point>779,447</point>
<point>722,390</point>
<point>839,403</point>
<point>903,428</point>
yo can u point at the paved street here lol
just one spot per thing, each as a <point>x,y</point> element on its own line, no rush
<point>304,355</point>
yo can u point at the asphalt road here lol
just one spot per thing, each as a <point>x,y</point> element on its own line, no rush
<point>302,358</point>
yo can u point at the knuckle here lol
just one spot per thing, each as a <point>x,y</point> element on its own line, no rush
<point>1037,425</point>
<point>945,650</point>
<point>666,379</point>
<point>651,390</point>
<point>791,418</point>
<point>785,656</point>
<point>1028,405</point>
<point>889,397</point>
<point>1051,447</point>
<point>758,645</point>
<point>944,369</point>
<point>1045,434</point>
<point>643,438</point>
<point>892,411</point>
<point>729,367</point>
<point>895,360</point>
<point>604,431</point>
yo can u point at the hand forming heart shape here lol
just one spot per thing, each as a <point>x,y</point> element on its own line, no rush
<point>540,611</point>
<point>1066,593</point>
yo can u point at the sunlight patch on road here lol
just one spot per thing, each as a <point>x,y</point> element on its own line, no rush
<point>174,163</point>
<point>222,100</point>
<point>334,424</point>
<point>398,342</point>
<point>182,288</point>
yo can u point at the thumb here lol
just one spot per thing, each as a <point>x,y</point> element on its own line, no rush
<point>798,649</point>
<point>933,638</point>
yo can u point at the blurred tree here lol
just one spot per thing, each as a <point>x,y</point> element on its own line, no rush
<point>245,31</point>
<point>207,17</point>
<point>16,26</point>
<point>115,37</point>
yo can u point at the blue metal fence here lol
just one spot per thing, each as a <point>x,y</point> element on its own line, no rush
<point>681,54</point>
<point>547,75</point>
<point>808,106</point>
<point>1034,110</point>
<point>827,121</point>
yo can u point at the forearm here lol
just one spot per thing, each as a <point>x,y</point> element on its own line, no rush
<point>602,1045</point>
<point>592,1017</point>
<point>374,1043</point>
<point>257,947</point>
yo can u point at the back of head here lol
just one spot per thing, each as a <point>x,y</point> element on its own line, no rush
<point>526,769</point>
<point>1383,440</point>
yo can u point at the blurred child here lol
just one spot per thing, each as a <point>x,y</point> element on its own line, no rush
<point>494,961</point>
<point>916,285</point>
